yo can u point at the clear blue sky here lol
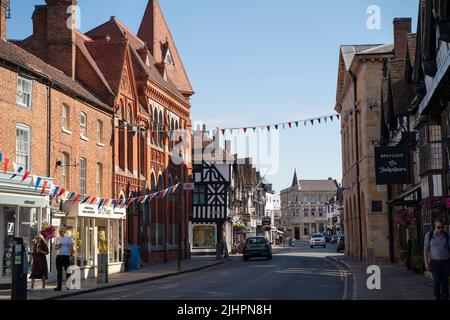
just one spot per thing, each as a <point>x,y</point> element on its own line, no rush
<point>255,62</point>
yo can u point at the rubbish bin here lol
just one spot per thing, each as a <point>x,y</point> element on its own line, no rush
<point>135,261</point>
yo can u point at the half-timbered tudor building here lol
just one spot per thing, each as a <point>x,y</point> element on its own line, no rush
<point>211,176</point>
<point>143,79</point>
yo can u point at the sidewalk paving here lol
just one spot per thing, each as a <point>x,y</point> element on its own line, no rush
<point>147,273</point>
<point>397,283</point>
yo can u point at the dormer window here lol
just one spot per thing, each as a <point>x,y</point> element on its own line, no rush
<point>168,59</point>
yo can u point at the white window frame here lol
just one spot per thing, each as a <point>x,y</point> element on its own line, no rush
<point>99,179</point>
<point>20,93</point>
<point>27,145</point>
<point>65,118</point>
<point>100,133</point>
<point>83,126</point>
<point>83,165</point>
<point>65,159</point>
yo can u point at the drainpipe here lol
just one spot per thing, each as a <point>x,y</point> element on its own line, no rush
<point>358,186</point>
<point>49,128</point>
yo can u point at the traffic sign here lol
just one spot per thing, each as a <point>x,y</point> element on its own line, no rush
<point>188,186</point>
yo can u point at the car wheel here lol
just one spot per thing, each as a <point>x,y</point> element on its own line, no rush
<point>312,247</point>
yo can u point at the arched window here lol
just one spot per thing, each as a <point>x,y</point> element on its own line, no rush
<point>129,114</point>
<point>160,182</point>
<point>153,181</point>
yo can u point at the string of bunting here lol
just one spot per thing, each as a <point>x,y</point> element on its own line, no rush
<point>68,196</point>
<point>274,126</point>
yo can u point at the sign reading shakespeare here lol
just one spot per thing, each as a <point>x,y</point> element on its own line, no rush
<point>392,165</point>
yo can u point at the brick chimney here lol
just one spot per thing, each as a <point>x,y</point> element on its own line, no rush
<point>402,27</point>
<point>60,26</point>
<point>3,7</point>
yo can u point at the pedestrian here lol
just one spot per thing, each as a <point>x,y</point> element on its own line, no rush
<point>39,269</point>
<point>64,247</point>
<point>437,259</point>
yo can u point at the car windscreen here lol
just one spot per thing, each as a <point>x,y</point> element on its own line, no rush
<point>317,236</point>
<point>256,241</point>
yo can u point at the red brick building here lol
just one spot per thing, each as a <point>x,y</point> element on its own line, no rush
<point>142,78</point>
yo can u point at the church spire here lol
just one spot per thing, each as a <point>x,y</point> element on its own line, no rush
<point>295,180</point>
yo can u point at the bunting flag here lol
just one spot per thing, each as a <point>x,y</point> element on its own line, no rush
<point>1,157</point>
<point>106,203</point>
<point>85,200</point>
<point>245,130</point>
<point>318,120</point>
<point>174,188</point>
<point>223,132</point>
<point>290,125</point>
<point>44,187</point>
<point>276,127</point>
<point>54,193</point>
<point>312,121</point>
<point>25,176</point>
<point>71,196</point>
<point>38,182</point>
<point>268,128</point>
<point>101,203</point>
<point>115,203</point>
<point>140,200</point>
<point>77,198</point>
<point>60,193</point>
<point>296,124</point>
<point>18,171</point>
<point>92,200</point>
<point>337,116</point>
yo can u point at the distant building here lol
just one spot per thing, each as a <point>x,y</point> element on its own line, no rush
<point>304,206</point>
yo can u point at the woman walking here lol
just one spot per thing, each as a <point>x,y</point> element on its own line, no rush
<point>39,269</point>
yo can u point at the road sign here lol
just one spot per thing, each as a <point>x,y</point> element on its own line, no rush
<point>188,186</point>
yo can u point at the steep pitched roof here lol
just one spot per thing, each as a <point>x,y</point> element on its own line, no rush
<point>19,57</point>
<point>155,32</point>
<point>114,31</point>
<point>295,179</point>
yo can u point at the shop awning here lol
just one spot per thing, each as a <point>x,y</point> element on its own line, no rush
<point>405,194</point>
<point>23,200</point>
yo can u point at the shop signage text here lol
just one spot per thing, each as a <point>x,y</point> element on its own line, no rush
<point>85,210</point>
<point>392,165</point>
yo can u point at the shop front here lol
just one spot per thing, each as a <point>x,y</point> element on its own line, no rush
<point>94,232</point>
<point>23,211</point>
<point>203,239</point>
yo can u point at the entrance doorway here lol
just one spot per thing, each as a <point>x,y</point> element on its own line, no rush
<point>297,233</point>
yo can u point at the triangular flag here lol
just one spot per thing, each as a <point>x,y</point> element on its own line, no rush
<point>1,157</point>
<point>6,165</point>
<point>325,119</point>
<point>60,193</point>
<point>296,123</point>
<point>174,188</point>
<point>305,123</point>
<point>15,166</point>
<point>331,118</point>
<point>54,193</point>
<point>44,187</point>
<point>77,198</point>
<point>254,129</point>
<point>337,116</point>
<point>141,199</point>
<point>276,127</point>
<point>18,171</point>
<point>85,200</point>
<point>92,200</point>
<point>312,121</point>
<point>268,128</point>
<point>115,203</point>
<point>130,201</point>
<point>71,196</point>
<point>245,130</point>
<point>106,203</point>
<point>223,131</point>
<point>318,120</point>
<point>124,203</point>
<point>25,176</point>
<point>290,125</point>
<point>101,203</point>
<point>38,182</point>
<point>133,133</point>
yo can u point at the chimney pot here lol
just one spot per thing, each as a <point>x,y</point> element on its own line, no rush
<point>3,17</point>
<point>402,27</point>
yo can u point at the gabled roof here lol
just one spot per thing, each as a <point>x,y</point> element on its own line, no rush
<point>114,31</point>
<point>23,59</point>
<point>318,185</point>
<point>155,32</point>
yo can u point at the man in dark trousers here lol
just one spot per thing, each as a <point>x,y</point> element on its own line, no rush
<point>64,247</point>
<point>437,259</point>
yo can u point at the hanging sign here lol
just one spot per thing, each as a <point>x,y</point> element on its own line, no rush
<point>188,186</point>
<point>393,165</point>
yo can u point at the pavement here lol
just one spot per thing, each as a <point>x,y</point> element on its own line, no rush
<point>397,283</point>
<point>145,274</point>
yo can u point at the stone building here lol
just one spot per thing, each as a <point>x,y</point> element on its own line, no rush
<point>358,102</point>
<point>304,206</point>
<point>142,79</point>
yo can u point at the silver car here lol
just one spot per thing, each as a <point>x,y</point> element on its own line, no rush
<point>317,240</point>
<point>257,247</point>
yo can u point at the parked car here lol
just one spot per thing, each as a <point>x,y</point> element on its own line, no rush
<point>341,244</point>
<point>257,247</point>
<point>316,240</point>
<point>334,239</point>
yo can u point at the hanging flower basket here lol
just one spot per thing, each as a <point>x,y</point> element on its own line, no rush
<point>406,217</point>
<point>48,231</point>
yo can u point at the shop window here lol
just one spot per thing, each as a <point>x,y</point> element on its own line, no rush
<point>24,92</point>
<point>23,146</point>
<point>28,226</point>
<point>115,241</point>
<point>65,170</point>
<point>83,176</point>
<point>83,125</point>
<point>204,236</point>
<point>65,112</point>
